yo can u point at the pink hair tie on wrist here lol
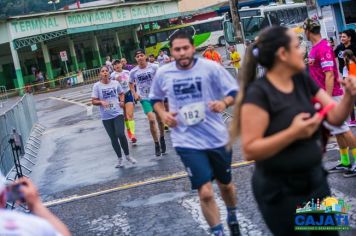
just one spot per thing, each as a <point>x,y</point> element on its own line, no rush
<point>326,109</point>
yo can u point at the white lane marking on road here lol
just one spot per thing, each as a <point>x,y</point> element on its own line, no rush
<point>70,101</point>
<point>350,201</point>
<point>192,205</point>
<point>105,223</point>
<point>87,105</point>
<point>76,94</point>
<point>155,200</point>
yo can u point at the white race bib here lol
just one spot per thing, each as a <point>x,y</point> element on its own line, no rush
<point>145,91</point>
<point>193,113</point>
<point>111,106</point>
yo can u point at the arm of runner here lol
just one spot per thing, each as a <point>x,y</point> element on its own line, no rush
<point>226,87</point>
<point>98,102</point>
<point>36,206</point>
<point>156,96</point>
<point>327,65</point>
<point>167,59</point>
<point>254,122</point>
<point>121,97</point>
<point>220,106</point>
<point>167,118</point>
<point>341,111</point>
<point>95,98</point>
<point>132,86</point>
<point>350,84</point>
<point>329,82</point>
<point>135,95</point>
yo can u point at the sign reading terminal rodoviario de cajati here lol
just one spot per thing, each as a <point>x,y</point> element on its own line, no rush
<point>25,27</point>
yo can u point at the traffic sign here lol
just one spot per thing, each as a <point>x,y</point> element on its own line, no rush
<point>63,55</point>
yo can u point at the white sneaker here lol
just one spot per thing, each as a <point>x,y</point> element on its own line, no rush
<point>131,160</point>
<point>119,164</point>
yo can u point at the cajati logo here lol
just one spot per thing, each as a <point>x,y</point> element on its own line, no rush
<point>320,215</point>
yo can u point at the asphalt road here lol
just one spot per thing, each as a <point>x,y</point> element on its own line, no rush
<point>76,177</point>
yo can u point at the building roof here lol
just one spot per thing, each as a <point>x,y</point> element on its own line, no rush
<point>91,7</point>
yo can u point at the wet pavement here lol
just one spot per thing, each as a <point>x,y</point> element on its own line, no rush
<point>75,165</point>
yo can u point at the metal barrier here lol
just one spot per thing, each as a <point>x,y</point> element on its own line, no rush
<point>20,119</point>
<point>3,96</point>
<point>232,71</point>
<point>90,76</point>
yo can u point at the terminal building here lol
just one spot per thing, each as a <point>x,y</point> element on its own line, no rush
<point>87,35</point>
<point>104,28</point>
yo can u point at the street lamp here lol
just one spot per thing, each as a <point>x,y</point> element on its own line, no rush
<point>54,2</point>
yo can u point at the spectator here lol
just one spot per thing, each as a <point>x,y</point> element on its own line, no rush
<point>348,41</point>
<point>40,79</point>
<point>40,222</point>
<point>350,63</point>
<point>33,69</point>
<point>235,58</point>
<point>211,54</point>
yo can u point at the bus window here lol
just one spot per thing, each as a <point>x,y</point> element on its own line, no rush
<point>300,15</point>
<point>296,15</point>
<point>249,13</point>
<point>280,18</point>
<point>190,30</point>
<point>253,25</point>
<point>229,32</point>
<point>304,13</point>
<point>204,28</point>
<point>274,18</point>
<point>215,26</point>
<point>285,16</point>
<point>150,40</point>
<point>162,36</point>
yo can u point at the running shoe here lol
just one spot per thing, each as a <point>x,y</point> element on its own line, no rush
<point>163,145</point>
<point>133,138</point>
<point>234,229</point>
<point>129,134</point>
<point>351,172</point>
<point>157,149</point>
<point>131,160</point>
<point>339,168</point>
<point>119,164</point>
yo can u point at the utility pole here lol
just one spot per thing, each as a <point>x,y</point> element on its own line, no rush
<point>236,20</point>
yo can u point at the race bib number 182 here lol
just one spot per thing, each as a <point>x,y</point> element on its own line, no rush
<point>193,114</point>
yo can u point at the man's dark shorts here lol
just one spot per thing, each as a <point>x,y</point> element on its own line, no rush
<point>205,165</point>
<point>129,97</point>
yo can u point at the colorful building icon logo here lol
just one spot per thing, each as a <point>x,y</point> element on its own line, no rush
<point>327,214</point>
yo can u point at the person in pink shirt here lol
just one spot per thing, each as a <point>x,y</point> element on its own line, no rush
<point>323,69</point>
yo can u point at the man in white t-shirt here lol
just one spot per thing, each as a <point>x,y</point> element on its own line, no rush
<point>198,90</point>
<point>142,75</point>
<point>163,58</point>
<point>40,222</point>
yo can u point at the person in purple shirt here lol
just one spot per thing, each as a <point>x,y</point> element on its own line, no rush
<point>126,66</point>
